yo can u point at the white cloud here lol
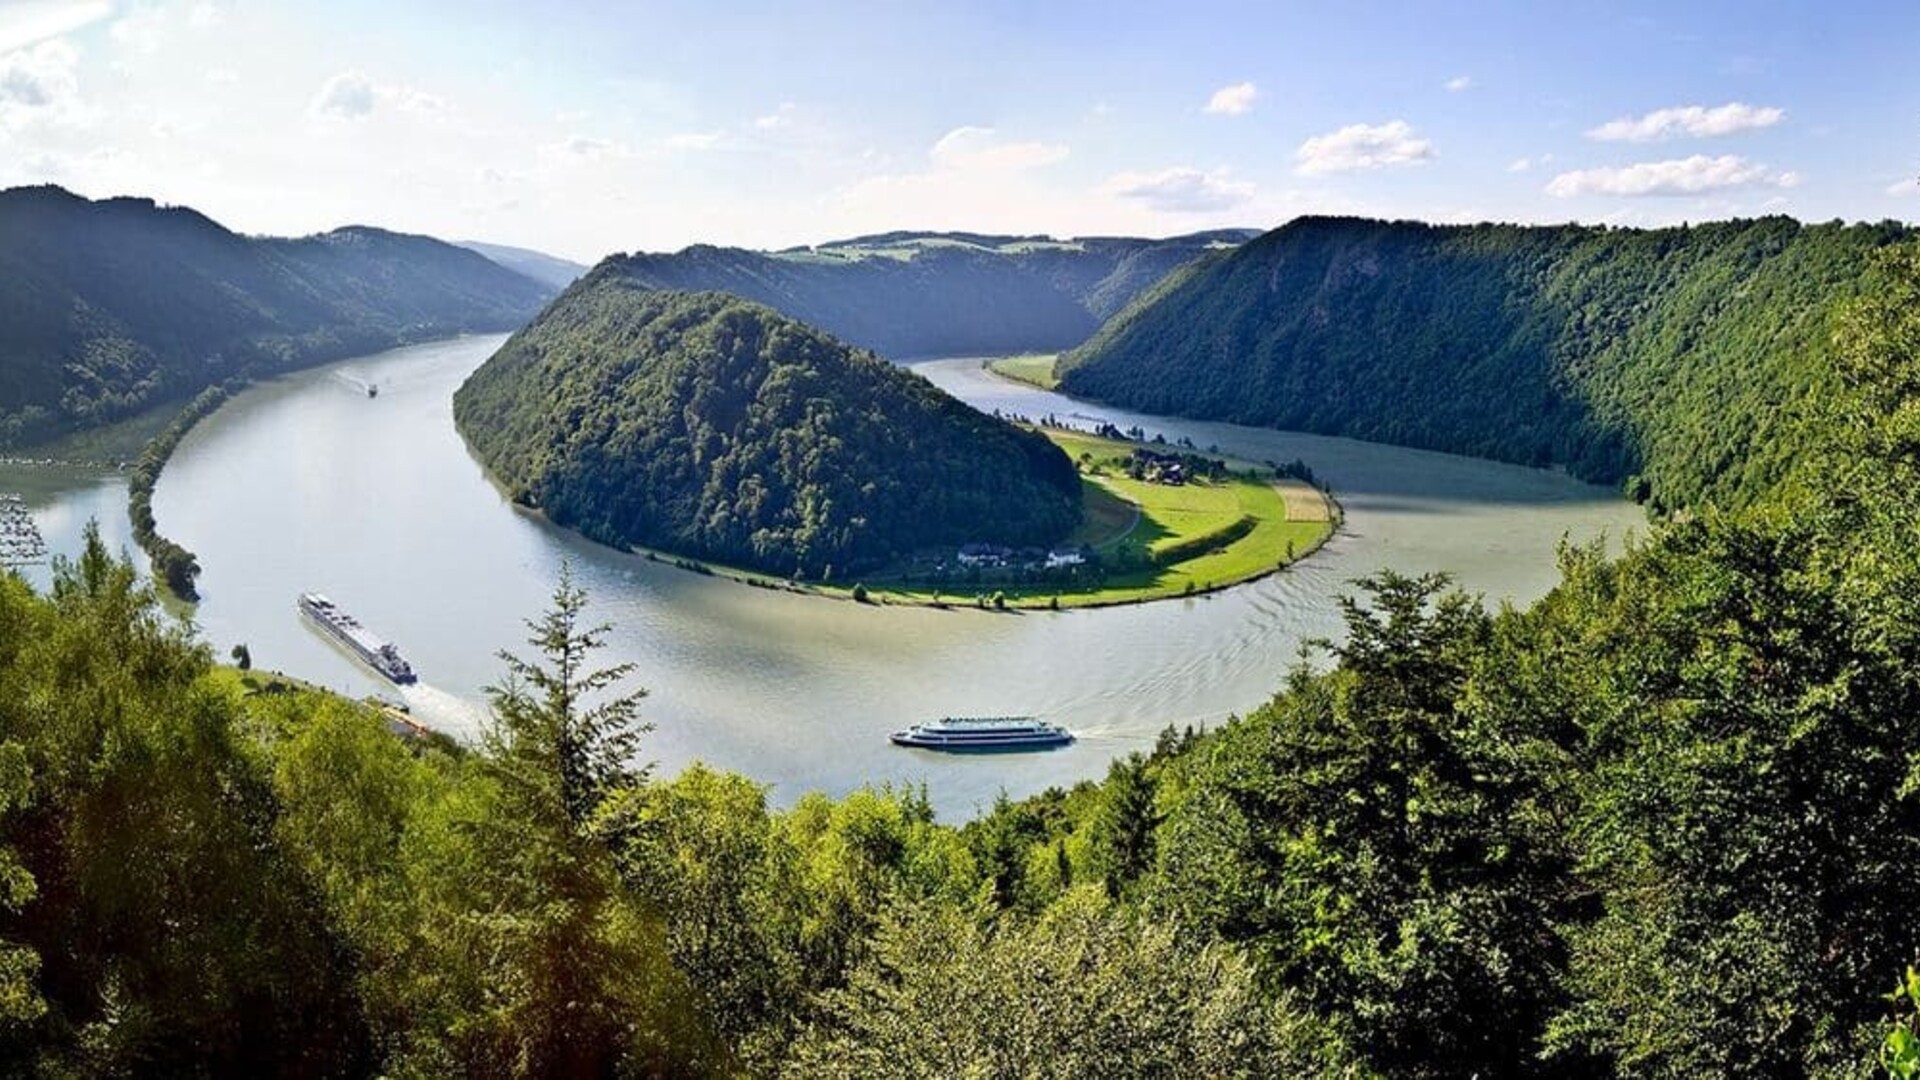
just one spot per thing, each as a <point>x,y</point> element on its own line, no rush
<point>1457,83</point>
<point>39,84</point>
<point>352,95</point>
<point>1904,188</point>
<point>1696,121</point>
<point>1682,176</point>
<point>1233,100</point>
<point>1519,165</point>
<point>1362,146</point>
<point>780,117</point>
<point>347,96</point>
<point>971,178</point>
<point>1181,190</point>
<point>692,140</point>
<point>979,148</point>
<point>28,22</point>
<point>581,148</point>
<point>413,100</point>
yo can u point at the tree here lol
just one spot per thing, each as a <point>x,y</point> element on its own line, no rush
<point>553,741</point>
<point>557,971</point>
<point>20,1000</point>
<point>1122,837</point>
<point>1086,990</point>
<point>242,657</point>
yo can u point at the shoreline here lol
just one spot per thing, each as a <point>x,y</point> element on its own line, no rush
<point>174,567</point>
<point>881,596</point>
<point>1013,599</point>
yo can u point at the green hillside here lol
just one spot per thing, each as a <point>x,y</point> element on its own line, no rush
<point>716,428</point>
<point>111,307</point>
<point>1681,362</point>
<point>908,295</point>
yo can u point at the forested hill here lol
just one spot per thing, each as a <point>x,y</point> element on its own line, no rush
<point>113,306</point>
<point>938,294</point>
<point>717,428</point>
<point>1679,361</point>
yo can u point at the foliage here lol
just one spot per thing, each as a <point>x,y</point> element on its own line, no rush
<point>1683,363</point>
<point>174,566</point>
<point>1901,1054</point>
<point>719,429</point>
<point>1662,822</point>
<point>1086,990</point>
<point>173,935</point>
<point>111,307</point>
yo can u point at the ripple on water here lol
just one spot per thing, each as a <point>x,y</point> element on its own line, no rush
<point>305,484</point>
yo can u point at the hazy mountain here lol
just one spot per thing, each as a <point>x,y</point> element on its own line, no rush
<point>113,306</point>
<point>714,427</point>
<point>538,265</point>
<point>1682,360</point>
<point>914,294</point>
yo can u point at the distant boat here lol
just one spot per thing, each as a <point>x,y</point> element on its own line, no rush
<point>363,643</point>
<point>989,734</point>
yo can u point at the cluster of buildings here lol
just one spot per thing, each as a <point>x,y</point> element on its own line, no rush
<point>997,556</point>
<point>1157,468</point>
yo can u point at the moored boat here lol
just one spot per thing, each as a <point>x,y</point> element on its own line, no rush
<point>987,734</point>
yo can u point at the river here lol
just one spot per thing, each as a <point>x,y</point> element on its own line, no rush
<point>306,483</point>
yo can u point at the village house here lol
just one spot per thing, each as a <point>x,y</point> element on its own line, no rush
<point>1157,468</point>
<point>1065,557</point>
<point>984,555</point>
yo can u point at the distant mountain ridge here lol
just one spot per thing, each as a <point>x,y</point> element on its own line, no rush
<point>1684,363</point>
<point>112,306</point>
<point>550,270</point>
<point>910,294</point>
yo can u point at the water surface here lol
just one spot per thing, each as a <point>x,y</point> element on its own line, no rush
<point>307,484</point>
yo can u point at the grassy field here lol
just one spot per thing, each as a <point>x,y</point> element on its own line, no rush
<point>1289,520</point>
<point>1035,369</point>
<point>1265,524</point>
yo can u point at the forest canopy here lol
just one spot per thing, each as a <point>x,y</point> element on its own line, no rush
<point>1681,363</point>
<point>114,306</point>
<point>715,428</point>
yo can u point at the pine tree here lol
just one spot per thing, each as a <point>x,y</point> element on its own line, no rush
<point>550,740</point>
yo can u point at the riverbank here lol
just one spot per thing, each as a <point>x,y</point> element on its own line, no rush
<point>1156,541</point>
<point>1033,369</point>
<point>272,492</point>
<point>174,567</point>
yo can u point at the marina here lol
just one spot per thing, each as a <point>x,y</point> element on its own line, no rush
<point>20,541</point>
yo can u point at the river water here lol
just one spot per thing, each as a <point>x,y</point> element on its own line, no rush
<point>306,483</point>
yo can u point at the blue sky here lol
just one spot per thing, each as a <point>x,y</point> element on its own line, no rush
<point>603,127</point>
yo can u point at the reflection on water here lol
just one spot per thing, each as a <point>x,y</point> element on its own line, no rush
<point>307,483</point>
